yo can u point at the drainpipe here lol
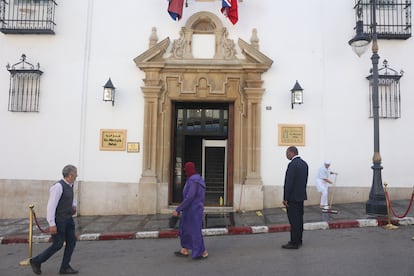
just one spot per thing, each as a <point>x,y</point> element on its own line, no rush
<point>84,98</point>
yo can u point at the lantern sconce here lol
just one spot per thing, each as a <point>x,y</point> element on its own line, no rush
<point>297,94</point>
<point>109,92</point>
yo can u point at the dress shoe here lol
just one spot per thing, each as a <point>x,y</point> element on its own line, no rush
<point>68,270</point>
<point>35,267</point>
<point>290,246</point>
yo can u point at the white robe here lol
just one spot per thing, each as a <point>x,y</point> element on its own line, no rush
<point>322,185</point>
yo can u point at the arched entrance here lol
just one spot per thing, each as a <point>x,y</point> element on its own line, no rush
<point>207,107</point>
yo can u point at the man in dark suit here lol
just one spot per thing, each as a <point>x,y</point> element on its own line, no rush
<point>294,195</point>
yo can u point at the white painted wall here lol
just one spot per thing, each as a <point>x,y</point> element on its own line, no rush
<point>95,40</point>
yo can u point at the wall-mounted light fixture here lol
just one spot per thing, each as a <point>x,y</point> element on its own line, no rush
<point>297,94</point>
<point>109,92</point>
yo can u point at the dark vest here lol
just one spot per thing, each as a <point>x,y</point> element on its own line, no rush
<point>64,207</point>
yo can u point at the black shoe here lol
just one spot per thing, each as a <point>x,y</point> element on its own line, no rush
<point>290,246</point>
<point>35,267</point>
<point>68,270</point>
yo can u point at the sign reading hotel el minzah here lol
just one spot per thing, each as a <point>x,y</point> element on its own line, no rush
<point>291,135</point>
<point>113,139</point>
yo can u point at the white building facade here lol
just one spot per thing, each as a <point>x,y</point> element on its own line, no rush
<point>199,89</point>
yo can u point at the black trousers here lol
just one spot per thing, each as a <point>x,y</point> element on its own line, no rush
<point>65,233</point>
<point>295,216</point>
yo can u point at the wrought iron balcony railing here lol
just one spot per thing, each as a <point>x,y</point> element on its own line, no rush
<point>393,18</point>
<point>389,95</point>
<point>24,91</point>
<point>27,16</point>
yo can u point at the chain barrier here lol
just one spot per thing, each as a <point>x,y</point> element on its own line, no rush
<point>392,209</point>
<point>38,225</point>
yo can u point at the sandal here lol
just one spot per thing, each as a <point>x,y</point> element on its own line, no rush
<point>180,254</point>
<point>203,256</point>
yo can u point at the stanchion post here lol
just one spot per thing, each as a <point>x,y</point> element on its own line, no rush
<point>389,225</point>
<point>27,261</point>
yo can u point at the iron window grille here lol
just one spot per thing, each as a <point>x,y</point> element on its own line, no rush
<point>27,16</point>
<point>389,98</point>
<point>24,87</point>
<point>393,18</point>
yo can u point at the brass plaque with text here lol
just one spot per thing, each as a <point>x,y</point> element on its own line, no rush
<point>291,135</point>
<point>133,147</point>
<point>113,139</point>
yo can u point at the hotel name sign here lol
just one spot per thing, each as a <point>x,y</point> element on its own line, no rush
<point>291,135</point>
<point>113,139</point>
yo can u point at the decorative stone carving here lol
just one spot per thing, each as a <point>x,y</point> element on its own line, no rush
<point>223,78</point>
<point>178,47</point>
<point>153,38</point>
<point>229,50</point>
<point>254,40</point>
<point>203,23</point>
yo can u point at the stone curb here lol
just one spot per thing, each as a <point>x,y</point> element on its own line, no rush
<point>239,230</point>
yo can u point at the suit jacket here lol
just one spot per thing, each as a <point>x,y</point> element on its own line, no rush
<point>296,179</point>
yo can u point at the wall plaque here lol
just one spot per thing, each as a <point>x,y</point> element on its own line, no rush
<point>112,139</point>
<point>133,147</point>
<point>291,135</point>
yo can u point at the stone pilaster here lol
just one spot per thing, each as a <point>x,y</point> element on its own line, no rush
<point>252,189</point>
<point>147,187</point>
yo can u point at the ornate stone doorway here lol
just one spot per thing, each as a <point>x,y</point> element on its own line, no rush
<point>175,75</point>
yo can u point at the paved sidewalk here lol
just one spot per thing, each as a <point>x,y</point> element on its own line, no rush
<point>252,222</point>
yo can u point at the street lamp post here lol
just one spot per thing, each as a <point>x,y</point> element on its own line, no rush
<point>376,204</point>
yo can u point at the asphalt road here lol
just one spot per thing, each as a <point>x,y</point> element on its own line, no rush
<point>352,251</point>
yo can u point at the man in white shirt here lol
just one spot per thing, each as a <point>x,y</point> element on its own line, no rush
<point>60,209</point>
<point>322,182</point>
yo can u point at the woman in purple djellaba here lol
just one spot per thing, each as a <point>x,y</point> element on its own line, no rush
<point>191,210</point>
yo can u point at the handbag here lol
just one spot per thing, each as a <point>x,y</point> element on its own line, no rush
<point>172,221</point>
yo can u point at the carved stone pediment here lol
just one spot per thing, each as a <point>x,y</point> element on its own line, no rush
<point>155,53</point>
<point>253,55</point>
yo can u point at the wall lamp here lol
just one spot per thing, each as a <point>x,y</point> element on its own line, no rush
<point>109,92</point>
<point>297,94</point>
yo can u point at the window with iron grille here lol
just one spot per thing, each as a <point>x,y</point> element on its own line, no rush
<point>24,90</point>
<point>393,18</point>
<point>389,98</point>
<point>27,16</point>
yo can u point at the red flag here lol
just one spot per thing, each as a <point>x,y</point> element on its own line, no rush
<point>175,9</point>
<point>229,9</point>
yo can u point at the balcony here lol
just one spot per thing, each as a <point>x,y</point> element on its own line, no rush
<point>27,16</point>
<point>393,18</point>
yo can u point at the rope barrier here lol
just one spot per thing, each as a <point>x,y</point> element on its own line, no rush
<point>32,215</point>
<point>38,225</point>
<point>392,209</point>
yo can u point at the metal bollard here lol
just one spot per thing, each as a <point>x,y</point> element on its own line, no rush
<point>27,261</point>
<point>389,226</point>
